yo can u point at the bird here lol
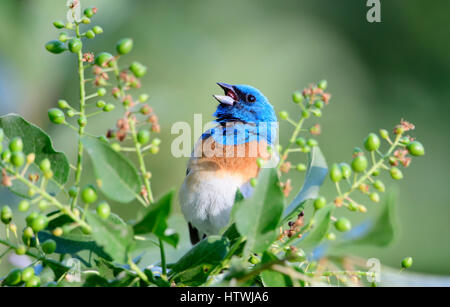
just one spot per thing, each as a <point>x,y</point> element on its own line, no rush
<point>225,159</point>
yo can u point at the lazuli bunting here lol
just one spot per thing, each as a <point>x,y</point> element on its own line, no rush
<point>225,159</point>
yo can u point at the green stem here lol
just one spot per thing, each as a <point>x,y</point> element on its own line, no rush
<point>138,271</point>
<point>163,258</point>
<point>297,130</point>
<point>79,168</point>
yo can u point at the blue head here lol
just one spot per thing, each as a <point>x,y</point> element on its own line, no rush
<point>243,103</point>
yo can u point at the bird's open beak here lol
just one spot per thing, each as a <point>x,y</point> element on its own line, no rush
<point>230,95</point>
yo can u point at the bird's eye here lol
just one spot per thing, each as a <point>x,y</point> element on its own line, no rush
<point>251,98</point>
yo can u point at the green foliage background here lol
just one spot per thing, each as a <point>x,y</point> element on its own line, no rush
<point>378,74</point>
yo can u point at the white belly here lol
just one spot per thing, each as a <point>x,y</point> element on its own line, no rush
<point>206,200</point>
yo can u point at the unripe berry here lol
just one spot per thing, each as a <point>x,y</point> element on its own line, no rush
<point>97,30</point>
<point>21,250</point>
<point>316,112</point>
<point>384,134</point>
<point>49,246</point>
<point>297,97</point>
<point>143,136</point>
<point>45,165</point>
<point>143,97</point>
<point>55,46</point>
<point>39,223</point>
<point>90,34</point>
<point>57,232</point>
<point>374,197</point>
<point>69,26</point>
<point>73,191</point>
<point>301,167</point>
<point>320,202</point>
<point>6,155</point>
<point>75,45</point>
<point>359,164</point>
<point>407,262</point>
<point>319,104</point>
<point>306,149</point>
<point>379,185</point>
<point>254,182</point>
<point>100,104</point>
<point>16,144</point>
<point>116,147</point>
<point>124,46</point>
<point>27,273</point>
<point>103,210</point>
<point>312,143</point>
<point>13,278</point>
<point>58,24</point>
<point>335,173</point>
<point>63,104</point>
<point>43,205</point>
<point>346,170</point>
<point>372,142</point>
<point>82,121</point>
<point>2,135</point>
<point>109,107</point>
<point>138,69</point>
<point>103,58</point>
<point>6,215</point>
<point>154,150</point>
<point>28,233</point>
<point>156,142</point>
<point>70,113</point>
<point>416,149</point>
<point>343,224</point>
<point>396,173</point>
<point>300,141</point>
<point>85,20</point>
<point>323,85</point>
<point>101,92</point>
<point>89,194</point>
<point>89,12</point>
<point>24,206</point>
<point>305,114</point>
<point>17,159</point>
<point>56,116</point>
<point>331,236</point>
<point>33,282</point>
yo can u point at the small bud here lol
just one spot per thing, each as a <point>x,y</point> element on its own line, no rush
<point>62,104</point>
<point>374,197</point>
<point>57,232</point>
<point>316,112</point>
<point>384,134</point>
<point>6,215</point>
<point>101,92</point>
<point>331,236</point>
<point>82,121</point>
<point>63,37</point>
<point>301,167</point>
<point>18,158</point>
<point>97,30</point>
<point>116,147</point>
<point>396,173</point>
<point>362,209</point>
<point>86,21</point>
<point>58,24</point>
<point>156,142</point>
<point>30,158</point>
<point>100,104</point>
<point>90,12</point>
<point>90,34</point>
<point>109,107</point>
<point>379,185</point>
<point>323,85</point>
<point>143,97</point>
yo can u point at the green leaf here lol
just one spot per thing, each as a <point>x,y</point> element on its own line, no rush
<point>321,223</point>
<point>195,266</point>
<point>58,268</point>
<point>317,171</point>
<point>272,278</point>
<point>257,217</point>
<point>115,238</point>
<point>380,232</point>
<point>36,141</point>
<point>118,178</point>
<point>154,220</point>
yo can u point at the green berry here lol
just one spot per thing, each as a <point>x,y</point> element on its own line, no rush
<point>297,97</point>
<point>124,46</point>
<point>82,121</point>
<point>103,210</point>
<point>75,45</point>
<point>73,191</point>
<point>16,144</point>
<point>295,255</point>
<point>384,134</point>
<point>379,185</point>
<point>143,97</point>
<point>116,147</point>
<point>323,85</point>
<point>306,149</point>
<point>89,194</point>
<point>319,104</point>
<point>63,104</point>
<point>55,46</point>
<point>2,135</point>
<point>372,142</point>
<point>70,26</point>
<point>101,92</point>
<point>101,104</point>
<point>97,30</point>
<point>300,142</point>
<point>6,215</point>
<point>407,262</point>
<point>27,273</point>
<point>43,205</point>
<point>316,112</point>
<point>109,107</point>
<point>6,155</point>
<point>301,167</point>
<point>39,223</point>
<point>331,236</point>
<point>45,165</point>
<point>33,282</point>
<point>335,173</point>
<point>156,142</point>
<point>90,34</point>
<point>14,278</point>
<point>260,162</point>
<point>143,136</point>
<point>346,170</point>
<point>58,24</point>
<point>17,159</point>
<point>21,250</point>
<point>343,224</point>
<point>375,173</point>
<point>396,173</point>
<point>29,219</point>
<point>405,140</point>
<point>63,37</point>
<point>374,197</point>
<point>24,206</point>
<point>56,116</point>
<point>70,113</point>
<point>352,206</point>
<point>254,182</point>
<point>28,232</point>
<point>102,59</point>
<point>89,12</point>
<point>312,143</point>
<point>305,114</point>
<point>320,202</point>
<point>416,149</point>
<point>359,164</point>
<point>49,246</point>
<point>85,20</point>
<point>138,69</point>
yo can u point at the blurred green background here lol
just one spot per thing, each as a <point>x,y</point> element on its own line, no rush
<point>377,73</point>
